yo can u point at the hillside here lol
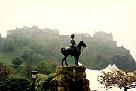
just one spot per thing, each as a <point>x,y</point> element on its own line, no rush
<point>44,45</point>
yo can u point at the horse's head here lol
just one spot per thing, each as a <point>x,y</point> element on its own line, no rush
<point>82,44</point>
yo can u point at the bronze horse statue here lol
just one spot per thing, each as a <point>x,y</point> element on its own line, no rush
<point>73,51</point>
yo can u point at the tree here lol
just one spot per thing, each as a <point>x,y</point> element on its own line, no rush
<point>17,61</point>
<point>121,79</point>
<point>27,56</point>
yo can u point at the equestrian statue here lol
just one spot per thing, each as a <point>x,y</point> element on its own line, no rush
<point>73,50</point>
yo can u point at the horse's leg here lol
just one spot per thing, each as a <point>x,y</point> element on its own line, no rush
<point>63,60</point>
<point>76,60</point>
<point>66,61</point>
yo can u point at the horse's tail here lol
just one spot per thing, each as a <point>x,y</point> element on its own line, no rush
<point>62,50</point>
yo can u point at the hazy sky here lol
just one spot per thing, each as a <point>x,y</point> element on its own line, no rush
<point>70,16</point>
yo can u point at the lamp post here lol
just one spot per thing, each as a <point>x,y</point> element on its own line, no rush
<point>34,75</point>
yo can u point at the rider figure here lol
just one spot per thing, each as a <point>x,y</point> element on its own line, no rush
<point>73,41</point>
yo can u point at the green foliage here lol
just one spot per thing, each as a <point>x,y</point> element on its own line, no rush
<point>43,82</point>
<point>47,83</point>
<point>15,84</point>
<point>20,71</point>
<point>27,54</point>
<point>4,71</point>
<point>27,57</point>
<point>45,68</point>
<point>31,57</point>
<point>17,61</point>
<point>36,57</point>
<point>8,45</point>
<point>39,81</point>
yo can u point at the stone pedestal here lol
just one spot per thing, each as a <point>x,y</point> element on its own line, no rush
<point>71,78</point>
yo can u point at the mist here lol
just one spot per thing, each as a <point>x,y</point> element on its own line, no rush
<point>74,16</point>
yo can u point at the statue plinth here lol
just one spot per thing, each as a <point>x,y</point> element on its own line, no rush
<point>70,78</point>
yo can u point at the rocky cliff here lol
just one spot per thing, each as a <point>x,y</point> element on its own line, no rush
<point>71,78</point>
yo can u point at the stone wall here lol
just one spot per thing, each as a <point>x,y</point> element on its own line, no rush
<point>71,78</point>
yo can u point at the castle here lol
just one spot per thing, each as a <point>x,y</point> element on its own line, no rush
<point>105,38</point>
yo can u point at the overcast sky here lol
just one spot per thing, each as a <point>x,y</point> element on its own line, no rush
<point>70,16</point>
